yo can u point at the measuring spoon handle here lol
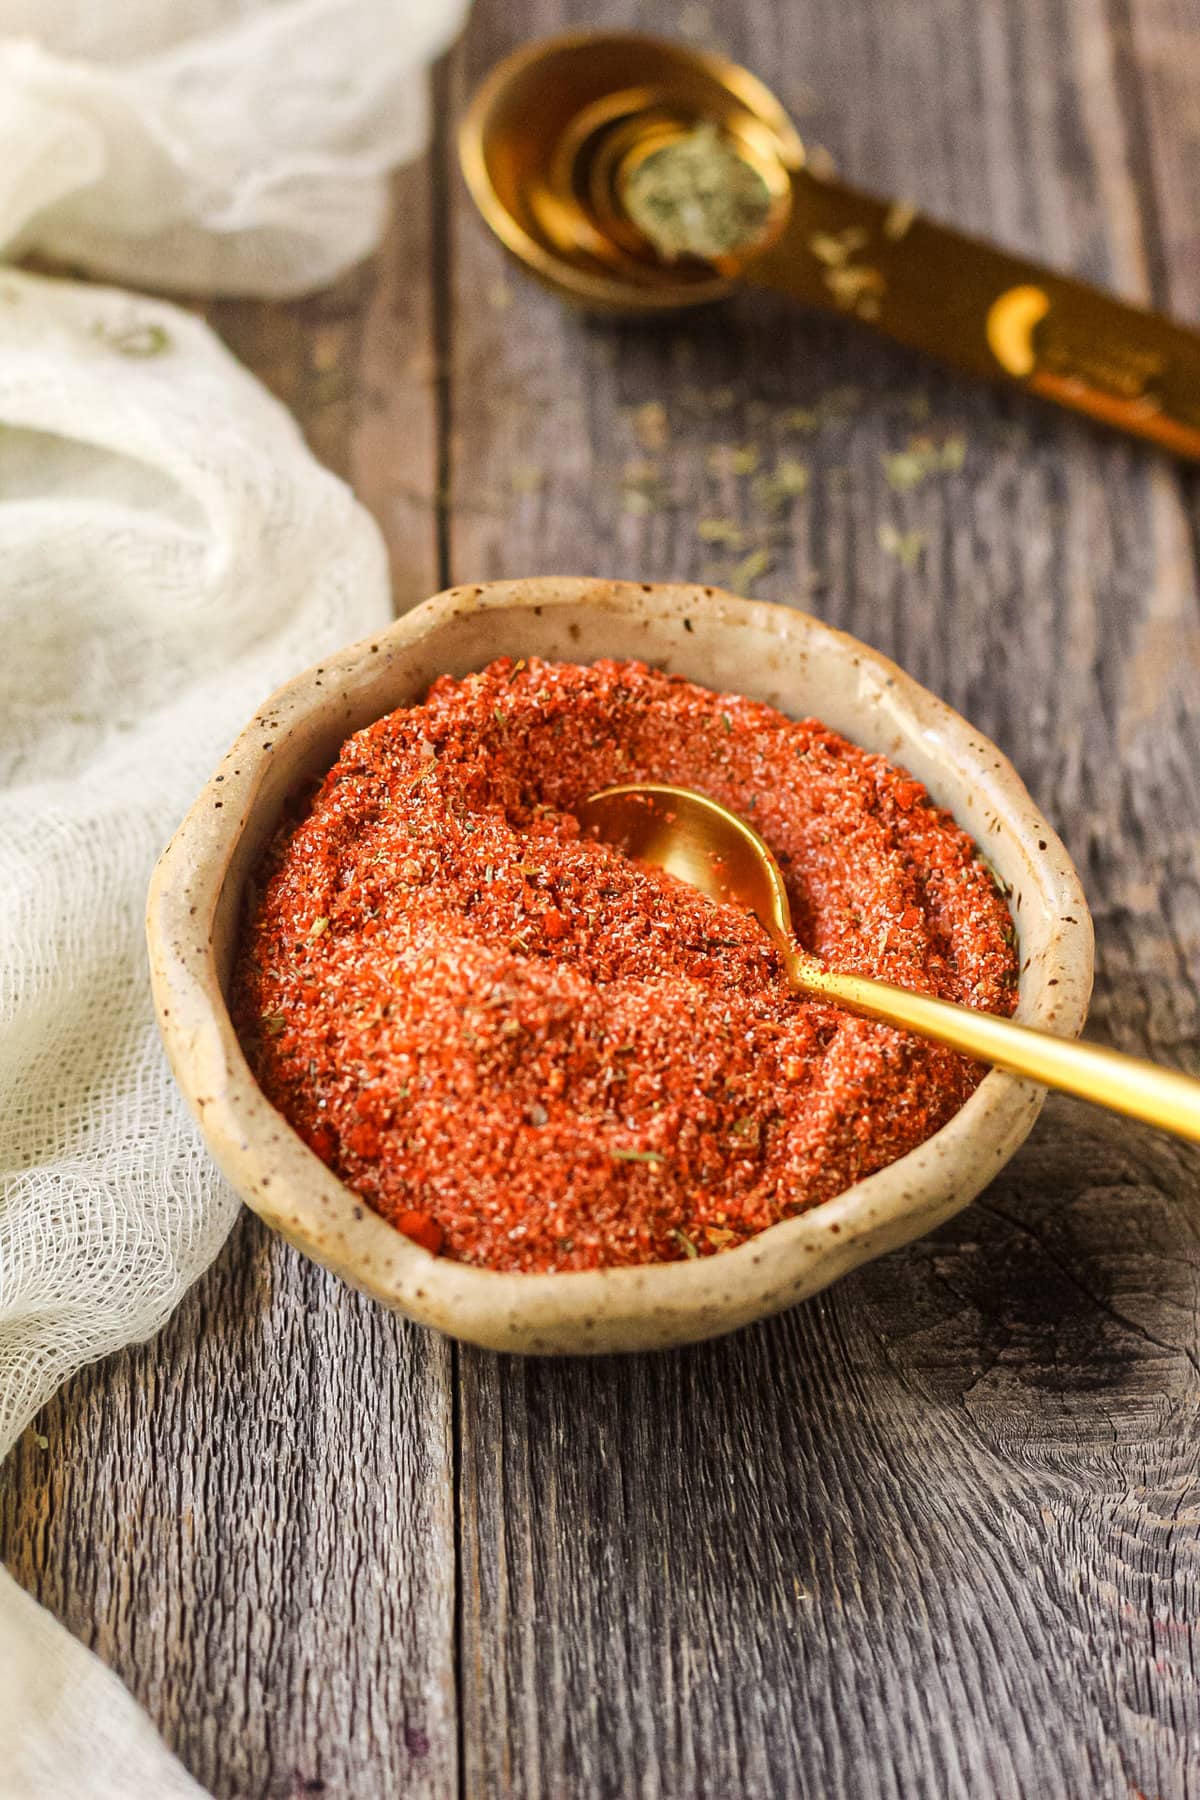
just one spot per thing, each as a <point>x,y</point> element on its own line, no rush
<point>1124,1084</point>
<point>986,312</point>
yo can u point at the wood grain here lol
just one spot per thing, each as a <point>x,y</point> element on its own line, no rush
<point>934,1534</point>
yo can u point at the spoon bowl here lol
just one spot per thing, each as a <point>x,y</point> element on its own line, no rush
<point>554,132</point>
<point>698,841</point>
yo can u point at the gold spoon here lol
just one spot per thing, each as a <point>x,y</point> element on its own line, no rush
<point>559,136</point>
<point>703,843</point>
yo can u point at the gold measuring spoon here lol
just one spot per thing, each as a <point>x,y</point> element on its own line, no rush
<point>567,143</point>
<point>703,843</point>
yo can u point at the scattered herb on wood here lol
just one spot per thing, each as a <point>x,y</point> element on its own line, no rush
<point>744,574</point>
<point>907,547</point>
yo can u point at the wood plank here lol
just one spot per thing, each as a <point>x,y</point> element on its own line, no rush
<point>933,1534</point>
<point>252,1519</point>
<point>1154,50</point>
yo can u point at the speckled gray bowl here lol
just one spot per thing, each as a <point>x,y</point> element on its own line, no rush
<point>768,652</point>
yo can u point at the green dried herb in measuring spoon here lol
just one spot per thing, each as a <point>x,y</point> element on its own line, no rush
<point>697,197</point>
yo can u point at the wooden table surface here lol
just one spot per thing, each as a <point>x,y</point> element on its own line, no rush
<point>936,1532</point>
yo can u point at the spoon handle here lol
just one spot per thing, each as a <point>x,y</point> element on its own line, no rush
<point>1125,1084</point>
<point>986,312</point>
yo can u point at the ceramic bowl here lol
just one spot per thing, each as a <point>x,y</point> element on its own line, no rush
<point>768,652</point>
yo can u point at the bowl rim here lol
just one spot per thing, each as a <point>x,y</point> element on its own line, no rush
<point>581,1310</point>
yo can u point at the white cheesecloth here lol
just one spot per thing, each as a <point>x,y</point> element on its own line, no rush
<point>169,552</point>
<point>226,146</point>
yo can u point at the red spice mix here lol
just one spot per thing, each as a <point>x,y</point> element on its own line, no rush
<point>529,1052</point>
